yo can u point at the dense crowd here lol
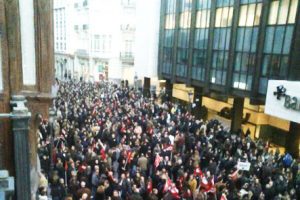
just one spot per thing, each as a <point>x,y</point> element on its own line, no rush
<point>110,142</point>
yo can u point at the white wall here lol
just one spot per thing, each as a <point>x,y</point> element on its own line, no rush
<point>27,41</point>
<point>147,38</point>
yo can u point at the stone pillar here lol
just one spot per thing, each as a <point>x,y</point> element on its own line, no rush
<point>169,90</point>
<point>146,88</point>
<point>196,111</point>
<point>20,121</point>
<point>237,114</point>
<point>293,139</point>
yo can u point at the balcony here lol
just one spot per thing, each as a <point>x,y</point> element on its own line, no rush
<point>127,57</point>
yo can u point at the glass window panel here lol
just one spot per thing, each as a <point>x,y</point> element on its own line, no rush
<point>216,38</point>
<point>171,4</point>
<point>269,39</point>
<point>237,64</point>
<point>243,15</point>
<point>236,80</point>
<point>224,17</point>
<point>249,83</point>
<point>278,40</point>
<point>247,39</point>
<point>273,12</point>
<point>170,21</point>
<point>201,39</point>
<point>225,59</point>
<point>185,5</point>
<point>283,11</point>
<point>222,3</point>
<point>218,77</point>
<point>263,84</point>
<point>183,38</point>
<point>239,39</point>
<point>284,66</point>
<point>275,65</point>
<point>222,41</point>
<point>215,59</point>
<point>257,14</point>
<point>288,39</point>
<point>265,65</point>
<point>254,39</point>
<point>244,63</point>
<point>185,19</point>
<point>223,81</point>
<point>203,4</point>
<point>293,11</point>
<point>202,20</point>
<point>213,76</point>
<point>228,32</point>
<point>251,15</point>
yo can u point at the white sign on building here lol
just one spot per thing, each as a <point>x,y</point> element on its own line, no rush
<point>283,100</point>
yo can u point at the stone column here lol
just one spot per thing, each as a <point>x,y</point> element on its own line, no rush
<point>293,139</point>
<point>20,121</point>
<point>237,114</point>
<point>146,88</point>
<point>169,90</point>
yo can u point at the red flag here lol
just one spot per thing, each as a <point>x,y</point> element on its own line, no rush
<point>103,155</point>
<point>66,166</point>
<point>174,191</point>
<point>158,159</point>
<point>198,172</point>
<point>223,197</point>
<point>210,187</point>
<point>167,185</point>
<point>149,186</point>
<point>169,148</point>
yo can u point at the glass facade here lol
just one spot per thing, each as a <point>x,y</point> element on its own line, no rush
<point>221,41</point>
<point>278,38</point>
<point>185,8</point>
<point>246,40</point>
<point>169,34</point>
<point>246,44</point>
<point>201,40</point>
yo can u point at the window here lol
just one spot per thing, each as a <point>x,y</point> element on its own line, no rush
<point>169,38</point>
<point>203,4</point>
<point>278,39</point>
<point>283,12</point>
<point>76,27</point>
<point>170,21</point>
<point>223,3</point>
<point>224,17</point>
<point>171,6</point>
<point>201,38</point>
<point>185,19</point>
<point>85,26</point>
<point>202,20</point>
<point>250,15</point>
<point>85,3</point>
<point>76,5</point>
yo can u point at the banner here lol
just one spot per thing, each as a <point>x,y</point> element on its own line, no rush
<point>244,166</point>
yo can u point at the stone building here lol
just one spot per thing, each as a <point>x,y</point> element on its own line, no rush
<point>26,68</point>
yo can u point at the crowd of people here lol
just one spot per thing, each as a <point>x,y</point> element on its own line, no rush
<point>110,142</point>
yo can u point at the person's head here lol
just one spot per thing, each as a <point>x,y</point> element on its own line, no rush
<point>82,184</point>
<point>84,196</point>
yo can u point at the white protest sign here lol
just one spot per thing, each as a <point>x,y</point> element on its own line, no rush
<point>243,166</point>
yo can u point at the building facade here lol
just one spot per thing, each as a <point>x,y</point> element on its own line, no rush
<point>26,68</point>
<point>228,50</point>
<point>94,39</point>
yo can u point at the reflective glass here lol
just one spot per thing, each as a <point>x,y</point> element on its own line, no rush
<point>202,20</point>
<point>293,11</point>
<point>170,21</point>
<point>274,8</point>
<point>224,17</point>
<point>283,12</point>
<point>288,39</point>
<point>265,65</point>
<point>284,66</point>
<point>278,40</point>
<point>171,4</point>
<point>203,4</point>
<point>185,19</point>
<point>239,39</point>
<point>269,39</point>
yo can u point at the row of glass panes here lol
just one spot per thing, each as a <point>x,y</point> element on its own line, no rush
<point>281,12</point>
